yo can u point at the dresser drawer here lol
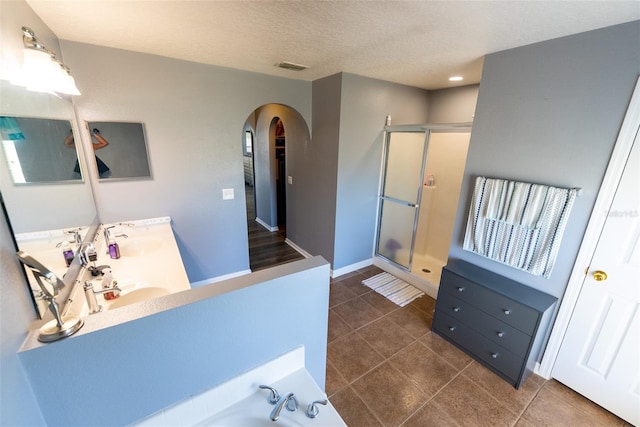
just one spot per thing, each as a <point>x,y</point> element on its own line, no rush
<point>502,308</point>
<point>481,348</point>
<point>499,332</point>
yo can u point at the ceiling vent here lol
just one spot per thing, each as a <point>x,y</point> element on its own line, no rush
<point>291,66</point>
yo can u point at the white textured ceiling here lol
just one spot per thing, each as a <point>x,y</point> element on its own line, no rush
<point>418,43</point>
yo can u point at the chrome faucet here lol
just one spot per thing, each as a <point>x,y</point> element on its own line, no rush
<point>289,401</point>
<point>90,293</point>
<point>77,239</point>
<point>107,236</point>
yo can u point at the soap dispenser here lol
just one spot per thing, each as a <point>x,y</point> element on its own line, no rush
<point>114,249</point>
<point>67,253</point>
<point>107,283</point>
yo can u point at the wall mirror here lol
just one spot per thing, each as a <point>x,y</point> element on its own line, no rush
<point>39,150</point>
<point>120,150</point>
<point>44,214</point>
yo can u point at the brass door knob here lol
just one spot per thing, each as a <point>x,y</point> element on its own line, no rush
<point>599,276</point>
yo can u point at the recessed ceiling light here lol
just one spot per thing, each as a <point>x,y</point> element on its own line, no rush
<point>455,78</point>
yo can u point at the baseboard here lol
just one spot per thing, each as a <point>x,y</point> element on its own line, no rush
<point>353,267</point>
<point>265,225</point>
<point>298,249</point>
<point>219,278</point>
<point>538,371</point>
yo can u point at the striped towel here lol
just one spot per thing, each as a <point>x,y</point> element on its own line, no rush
<point>518,224</point>
<point>392,288</point>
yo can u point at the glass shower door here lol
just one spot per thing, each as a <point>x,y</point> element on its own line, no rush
<point>403,169</point>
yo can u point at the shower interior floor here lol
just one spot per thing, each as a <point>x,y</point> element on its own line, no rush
<point>427,267</point>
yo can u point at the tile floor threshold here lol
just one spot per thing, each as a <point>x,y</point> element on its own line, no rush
<point>386,368</point>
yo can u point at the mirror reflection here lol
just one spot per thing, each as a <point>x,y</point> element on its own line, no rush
<point>48,218</point>
<point>120,150</point>
<point>37,150</point>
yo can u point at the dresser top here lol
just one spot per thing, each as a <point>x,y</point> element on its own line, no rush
<point>500,284</point>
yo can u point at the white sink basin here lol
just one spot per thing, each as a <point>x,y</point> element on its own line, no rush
<point>139,247</point>
<point>138,295</point>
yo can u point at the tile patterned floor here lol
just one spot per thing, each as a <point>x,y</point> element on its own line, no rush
<point>386,368</point>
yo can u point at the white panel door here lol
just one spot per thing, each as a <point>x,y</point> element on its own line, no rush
<point>600,354</point>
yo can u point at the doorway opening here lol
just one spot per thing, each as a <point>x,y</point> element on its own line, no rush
<point>268,135</point>
<point>422,174</point>
<point>281,175</point>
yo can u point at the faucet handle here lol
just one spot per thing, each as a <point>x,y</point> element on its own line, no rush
<point>312,409</point>
<point>292,403</point>
<point>274,396</point>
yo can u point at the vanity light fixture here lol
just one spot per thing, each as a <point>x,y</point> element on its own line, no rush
<point>42,71</point>
<point>456,78</point>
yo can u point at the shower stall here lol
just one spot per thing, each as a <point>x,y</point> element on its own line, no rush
<point>420,180</point>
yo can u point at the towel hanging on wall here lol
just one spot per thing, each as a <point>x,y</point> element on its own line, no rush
<point>517,223</point>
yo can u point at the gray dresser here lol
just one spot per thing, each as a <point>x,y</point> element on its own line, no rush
<point>497,321</point>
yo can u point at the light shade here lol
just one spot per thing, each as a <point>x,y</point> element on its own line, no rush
<point>41,72</point>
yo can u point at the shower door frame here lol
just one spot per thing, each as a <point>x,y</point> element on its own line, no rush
<point>427,129</point>
<point>388,130</point>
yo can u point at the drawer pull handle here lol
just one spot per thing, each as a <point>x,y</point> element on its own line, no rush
<point>452,328</point>
<point>500,334</point>
<point>507,311</point>
<point>460,288</point>
<point>456,309</point>
<point>495,355</point>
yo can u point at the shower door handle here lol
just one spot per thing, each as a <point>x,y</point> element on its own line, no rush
<point>401,202</point>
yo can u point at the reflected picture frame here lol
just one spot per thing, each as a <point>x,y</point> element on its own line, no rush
<point>120,150</point>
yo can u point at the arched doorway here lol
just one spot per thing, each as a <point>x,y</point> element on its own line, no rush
<point>276,129</point>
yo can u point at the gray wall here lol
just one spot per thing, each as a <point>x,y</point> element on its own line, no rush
<point>550,113</point>
<point>193,115</point>
<point>364,104</point>
<point>297,141</point>
<point>453,105</point>
<point>316,234</point>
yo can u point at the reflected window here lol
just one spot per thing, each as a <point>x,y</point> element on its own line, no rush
<point>15,168</point>
<point>248,142</point>
<point>37,151</point>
